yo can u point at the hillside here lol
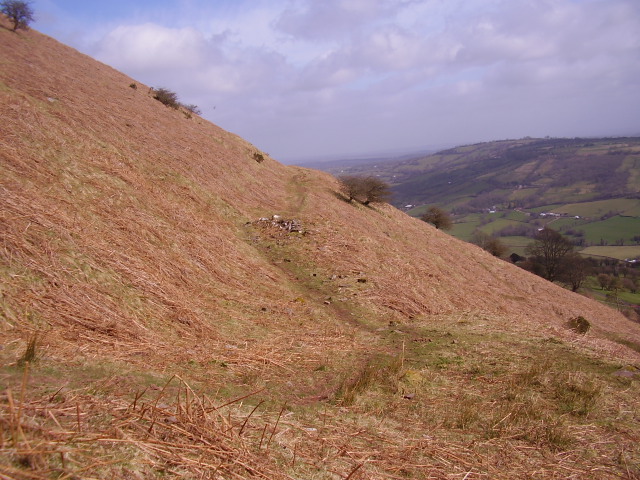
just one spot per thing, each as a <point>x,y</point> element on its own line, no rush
<point>157,321</point>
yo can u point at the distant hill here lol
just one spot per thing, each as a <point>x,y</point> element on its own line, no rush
<point>175,303</point>
<point>518,173</point>
<point>337,165</point>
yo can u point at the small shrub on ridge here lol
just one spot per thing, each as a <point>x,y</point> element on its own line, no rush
<point>19,12</point>
<point>166,97</point>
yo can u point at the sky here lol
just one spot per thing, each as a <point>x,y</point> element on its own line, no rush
<point>327,79</point>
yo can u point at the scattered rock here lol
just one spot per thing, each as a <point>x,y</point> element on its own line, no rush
<point>409,396</point>
<point>291,225</point>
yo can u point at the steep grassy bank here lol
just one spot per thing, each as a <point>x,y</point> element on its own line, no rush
<point>158,322</point>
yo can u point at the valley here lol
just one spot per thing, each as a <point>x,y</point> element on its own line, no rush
<point>586,189</point>
<point>591,186</point>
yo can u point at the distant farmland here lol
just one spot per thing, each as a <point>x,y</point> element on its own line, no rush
<point>508,189</point>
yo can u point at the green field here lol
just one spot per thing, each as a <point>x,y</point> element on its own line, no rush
<point>418,211</point>
<point>519,180</point>
<point>625,206</point>
<point>565,222</point>
<point>516,244</point>
<point>464,230</point>
<point>498,224</point>
<point>628,297</point>
<point>546,208</point>
<point>621,253</point>
<point>609,238</point>
<point>516,215</point>
<point>613,230</point>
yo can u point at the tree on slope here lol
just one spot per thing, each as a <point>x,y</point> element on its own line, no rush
<point>438,218</point>
<point>574,270</point>
<point>549,251</point>
<point>19,12</point>
<point>375,190</point>
<point>351,186</point>
<point>491,244</point>
<point>364,189</point>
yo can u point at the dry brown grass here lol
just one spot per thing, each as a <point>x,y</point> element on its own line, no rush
<point>112,427</point>
<point>368,346</point>
<point>73,433</point>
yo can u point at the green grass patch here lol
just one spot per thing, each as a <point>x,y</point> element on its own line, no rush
<point>464,230</point>
<point>629,297</point>
<point>621,252</point>
<point>542,390</point>
<point>516,242</point>
<point>498,224</point>
<point>566,222</point>
<point>546,208</point>
<point>418,211</point>
<point>381,371</point>
<point>516,216</point>
<point>600,207</point>
<point>612,229</point>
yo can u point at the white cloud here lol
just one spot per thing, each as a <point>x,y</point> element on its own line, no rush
<point>307,77</point>
<point>153,47</point>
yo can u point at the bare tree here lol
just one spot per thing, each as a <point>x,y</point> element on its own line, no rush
<point>491,244</point>
<point>549,250</point>
<point>191,108</point>
<point>167,97</point>
<point>375,190</point>
<point>365,189</point>
<point>630,285</point>
<point>574,270</point>
<point>351,186</point>
<point>603,280</point>
<point>19,12</point>
<point>438,218</point>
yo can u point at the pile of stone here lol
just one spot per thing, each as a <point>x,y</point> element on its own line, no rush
<point>291,225</point>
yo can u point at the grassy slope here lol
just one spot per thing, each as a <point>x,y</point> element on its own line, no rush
<point>372,345</point>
